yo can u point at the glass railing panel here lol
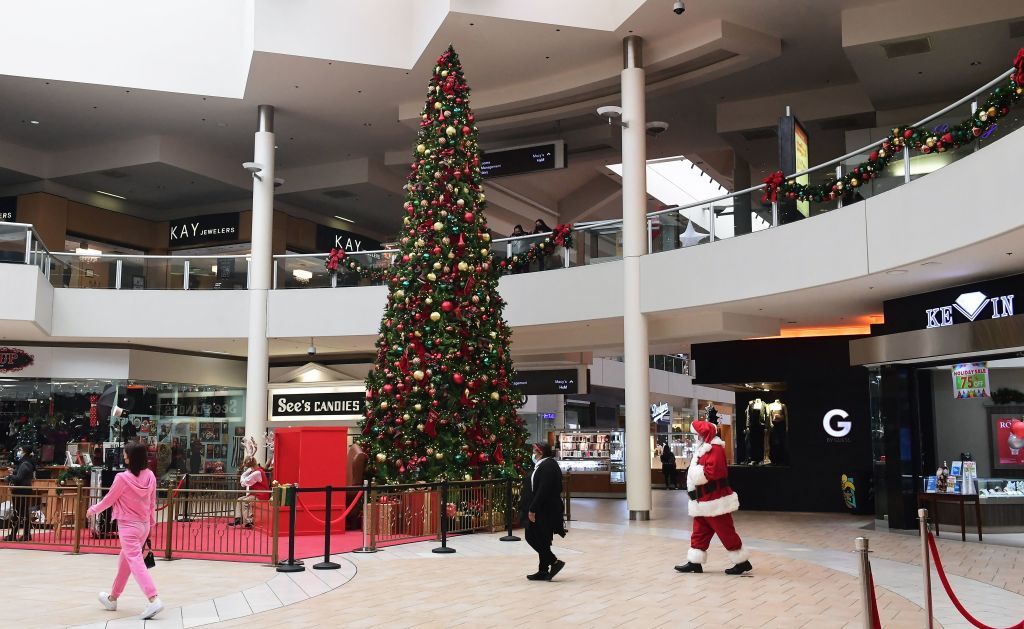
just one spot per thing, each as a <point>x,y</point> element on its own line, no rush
<point>12,243</point>
<point>602,243</point>
<point>225,273</point>
<point>1002,127</point>
<point>665,230</point>
<point>68,270</point>
<point>308,272</point>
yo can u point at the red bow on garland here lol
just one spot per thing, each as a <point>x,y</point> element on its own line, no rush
<point>1018,64</point>
<point>334,259</point>
<point>771,186</point>
<point>560,234</point>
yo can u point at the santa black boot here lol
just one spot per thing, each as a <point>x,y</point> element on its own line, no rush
<point>741,561</point>
<point>694,559</point>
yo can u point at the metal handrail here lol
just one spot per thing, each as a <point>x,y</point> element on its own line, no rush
<point>114,256</point>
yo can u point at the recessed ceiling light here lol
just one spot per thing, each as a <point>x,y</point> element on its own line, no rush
<point>975,63</point>
<point>342,218</point>
<point>111,194</point>
<point>33,122</point>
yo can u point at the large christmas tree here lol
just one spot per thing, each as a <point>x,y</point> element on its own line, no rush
<point>440,404</point>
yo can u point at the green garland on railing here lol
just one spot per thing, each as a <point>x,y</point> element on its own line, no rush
<point>921,139</point>
<point>561,236</point>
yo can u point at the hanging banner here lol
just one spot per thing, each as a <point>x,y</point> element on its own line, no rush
<point>970,380</point>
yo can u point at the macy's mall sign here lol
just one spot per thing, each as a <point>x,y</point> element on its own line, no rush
<point>970,306</point>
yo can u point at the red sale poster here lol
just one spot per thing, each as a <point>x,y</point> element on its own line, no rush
<point>1009,440</point>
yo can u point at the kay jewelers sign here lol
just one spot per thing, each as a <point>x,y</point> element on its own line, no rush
<point>970,380</point>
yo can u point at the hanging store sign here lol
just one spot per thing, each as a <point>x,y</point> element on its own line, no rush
<point>328,238</point>
<point>8,209</point>
<point>970,306</point>
<point>522,159</point>
<point>14,359</point>
<point>201,230</point>
<point>970,380</point>
<point>981,301</point>
<point>549,382</point>
<point>317,403</point>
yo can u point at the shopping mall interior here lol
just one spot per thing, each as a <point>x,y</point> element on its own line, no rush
<point>743,267</point>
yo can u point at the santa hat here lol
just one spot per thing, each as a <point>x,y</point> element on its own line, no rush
<point>706,430</point>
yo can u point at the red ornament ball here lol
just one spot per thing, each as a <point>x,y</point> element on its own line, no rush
<point>447,306</point>
<point>468,217</point>
<point>458,378</point>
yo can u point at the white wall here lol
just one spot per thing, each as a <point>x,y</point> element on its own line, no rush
<point>26,298</point>
<point>181,368</point>
<point>612,373</point>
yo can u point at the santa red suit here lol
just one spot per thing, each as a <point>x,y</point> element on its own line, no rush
<point>712,502</point>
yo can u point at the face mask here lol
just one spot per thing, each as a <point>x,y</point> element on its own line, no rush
<point>19,455</point>
<point>536,458</point>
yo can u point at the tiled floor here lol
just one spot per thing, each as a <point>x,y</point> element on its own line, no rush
<point>618,574</point>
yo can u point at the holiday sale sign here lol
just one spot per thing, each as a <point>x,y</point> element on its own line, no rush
<point>1009,436</point>
<point>970,380</point>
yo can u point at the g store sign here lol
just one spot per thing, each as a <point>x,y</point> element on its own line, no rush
<point>837,426</point>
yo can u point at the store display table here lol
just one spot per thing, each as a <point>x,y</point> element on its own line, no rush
<point>933,498</point>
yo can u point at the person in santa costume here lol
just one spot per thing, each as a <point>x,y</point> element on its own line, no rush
<point>712,502</point>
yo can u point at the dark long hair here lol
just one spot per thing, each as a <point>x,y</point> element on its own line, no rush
<point>545,449</point>
<point>138,457</point>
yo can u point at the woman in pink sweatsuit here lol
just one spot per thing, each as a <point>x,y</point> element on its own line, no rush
<point>133,497</point>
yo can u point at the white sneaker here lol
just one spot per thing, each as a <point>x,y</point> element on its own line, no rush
<point>111,606</point>
<point>152,609</point>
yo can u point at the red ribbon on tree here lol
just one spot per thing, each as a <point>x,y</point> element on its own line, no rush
<point>771,186</point>
<point>1018,63</point>
<point>560,234</point>
<point>499,458</point>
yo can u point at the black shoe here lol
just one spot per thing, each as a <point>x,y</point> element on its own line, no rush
<point>690,567</point>
<point>556,568</point>
<point>248,526</point>
<point>235,522</point>
<point>539,576</point>
<point>26,538</point>
<point>740,568</point>
<point>11,538</point>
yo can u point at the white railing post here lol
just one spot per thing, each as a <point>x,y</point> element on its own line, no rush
<point>273,279</point>
<point>711,223</point>
<point>28,246</point>
<point>334,280</point>
<point>650,235</point>
<point>117,274</point>
<point>565,257</point>
<point>775,213</point>
<point>906,164</point>
<point>188,270</point>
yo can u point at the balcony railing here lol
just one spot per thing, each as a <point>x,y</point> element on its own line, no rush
<point>595,241</point>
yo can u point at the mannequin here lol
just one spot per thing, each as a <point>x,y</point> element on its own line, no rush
<point>711,413</point>
<point>778,424</point>
<point>756,416</point>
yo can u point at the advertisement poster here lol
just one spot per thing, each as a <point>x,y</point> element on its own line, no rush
<point>970,380</point>
<point>803,162</point>
<point>1008,432</point>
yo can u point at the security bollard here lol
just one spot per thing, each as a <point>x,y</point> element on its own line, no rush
<point>443,549</point>
<point>327,564</point>
<point>291,565</point>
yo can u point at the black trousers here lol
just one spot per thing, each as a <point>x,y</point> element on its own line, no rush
<point>23,505</point>
<point>670,476</point>
<point>539,538</point>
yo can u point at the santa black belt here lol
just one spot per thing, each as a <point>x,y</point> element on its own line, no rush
<point>708,487</point>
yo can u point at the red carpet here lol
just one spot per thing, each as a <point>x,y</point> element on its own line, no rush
<point>210,540</point>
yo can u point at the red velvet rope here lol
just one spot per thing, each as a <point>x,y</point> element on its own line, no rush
<point>876,622</point>
<point>174,494</point>
<point>949,591</point>
<point>341,517</point>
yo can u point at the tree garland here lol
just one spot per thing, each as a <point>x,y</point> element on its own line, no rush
<point>923,140</point>
<point>560,236</point>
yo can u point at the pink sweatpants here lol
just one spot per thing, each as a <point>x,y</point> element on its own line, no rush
<point>133,536</point>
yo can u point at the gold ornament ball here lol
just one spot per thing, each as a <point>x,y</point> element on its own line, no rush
<point>483,197</point>
<point>463,266</point>
<point>444,73</point>
<point>485,236</point>
<point>427,301</point>
<point>437,105</point>
<point>494,335</point>
<point>406,417</point>
<point>432,277</point>
<point>420,242</point>
<point>417,375</point>
<point>991,112</point>
<point>460,203</point>
<point>381,457</point>
<point>495,396</point>
<point>930,142</point>
<point>438,226</point>
<point>881,153</point>
<point>468,477</point>
<point>446,241</point>
<point>435,316</point>
<point>483,252</point>
<point>419,427</point>
<point>383,405</point>
<point>439,456</point>
<point>418,407</point>
<point>420,148</point>
<point>854,183</point>
<point>399,293</point>
<point>437,266</point>
<point>450,131</point>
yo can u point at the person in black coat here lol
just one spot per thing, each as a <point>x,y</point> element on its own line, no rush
<point>542,506</point>
<point>668,466</point>
<point>21,494</point>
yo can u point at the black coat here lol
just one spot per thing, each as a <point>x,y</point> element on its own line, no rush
<point>542,496</point>
<point>22,477</point>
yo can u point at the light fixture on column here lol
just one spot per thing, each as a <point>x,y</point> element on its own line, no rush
<point>85,254</point>
<point>612,113</point>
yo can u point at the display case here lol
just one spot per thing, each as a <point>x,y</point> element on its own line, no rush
<point>595,459</point>
<point>1001,489</point>
<point>682,444</point>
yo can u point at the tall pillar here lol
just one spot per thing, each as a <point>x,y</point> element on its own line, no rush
<point>634,245</point>
<point>742,221</point>
<point>260,264</point>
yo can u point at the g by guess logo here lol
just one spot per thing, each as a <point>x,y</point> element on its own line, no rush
<point>836,425</point>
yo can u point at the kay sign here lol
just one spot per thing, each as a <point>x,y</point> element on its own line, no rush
<point>970,306</point>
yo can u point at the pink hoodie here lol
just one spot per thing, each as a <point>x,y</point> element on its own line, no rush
<point>133,498</point>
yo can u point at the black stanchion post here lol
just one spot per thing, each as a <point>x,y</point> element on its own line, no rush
<point>184,517</point>
<point>327,564</point>
<point>367,517</point>
<point>508,513</point>
<point>443,549</point>
<point>291,565</point>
